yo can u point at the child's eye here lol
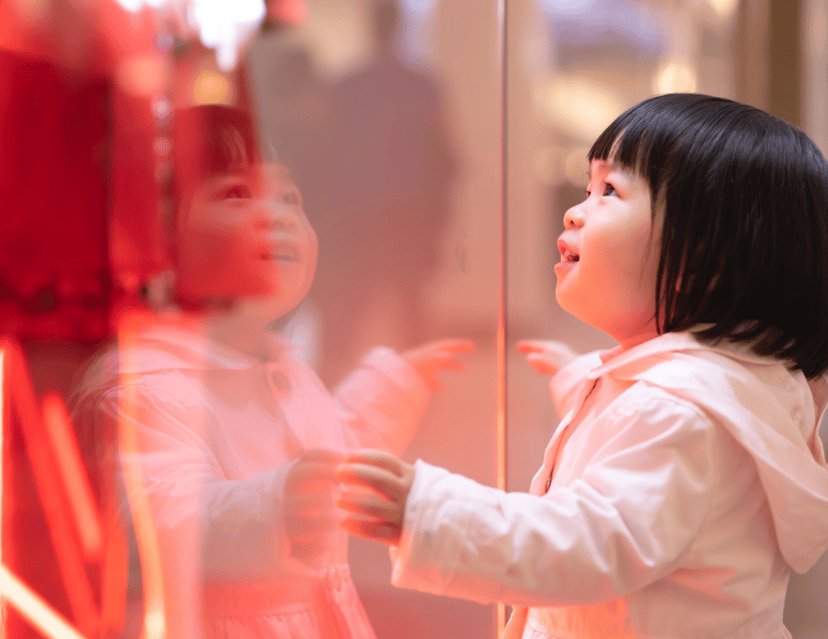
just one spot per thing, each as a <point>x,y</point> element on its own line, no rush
<point>293,198</point>
<point>237,192</point>
<point>609,189</point>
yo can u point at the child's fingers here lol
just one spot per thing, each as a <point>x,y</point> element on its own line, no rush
<point>378,458</point>
<point>369,505</point>
<point>541,364</point>
<point>309,504</point>
<point>381,532</point>
<point>322,455</point>
<point>531,346</point>
<point>456,346</point>
<point>381,480</point>
<point>311,477</point>
<point>446,362</point>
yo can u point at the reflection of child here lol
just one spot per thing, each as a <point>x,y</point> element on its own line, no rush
<point>687,477</point>
<point>237,438</point>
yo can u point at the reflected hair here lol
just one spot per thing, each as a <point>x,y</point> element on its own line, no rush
<point>744,241</point>
<point>207,142</point>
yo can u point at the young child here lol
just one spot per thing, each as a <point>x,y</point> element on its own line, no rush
<point>687,477</point>
<point>236,439</point>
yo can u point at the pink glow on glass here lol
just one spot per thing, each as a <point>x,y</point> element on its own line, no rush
<point>73,475</point>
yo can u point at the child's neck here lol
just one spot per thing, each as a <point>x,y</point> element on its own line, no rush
<point>241,330</point>
<point>639,338</point>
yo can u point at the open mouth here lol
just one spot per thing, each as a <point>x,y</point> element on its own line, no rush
<point>568,255</point>
<point>281,252</point>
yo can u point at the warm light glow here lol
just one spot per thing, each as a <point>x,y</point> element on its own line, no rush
<point>114,572</point>
<point>145,534</point>
<point>212,88</point>
<point>674,77</point>
<point>3,420</point>
<point>578,106</point>
<point>724,8</point>
<point>576,166</point>
<point>70,465</point>
<point>546,164</point>
<point>23,400</point>
<point>39,613</point>
<point>224,25</point>
<point>142,76</point>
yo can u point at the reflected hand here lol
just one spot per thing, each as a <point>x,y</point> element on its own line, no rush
<point>309,496</point>
<point>376,513</point>
<point>432,357</point>
<point>546,356</point>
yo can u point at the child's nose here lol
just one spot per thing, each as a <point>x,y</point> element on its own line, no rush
<point>277,215</point>
<point>574,218</point>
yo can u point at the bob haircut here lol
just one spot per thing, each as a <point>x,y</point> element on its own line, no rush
<point>744,244</point>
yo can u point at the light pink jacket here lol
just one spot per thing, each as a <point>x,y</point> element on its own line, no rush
<point>217,434</point>
<point>680,487</point>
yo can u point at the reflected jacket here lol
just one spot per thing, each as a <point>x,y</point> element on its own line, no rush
<point>216,433</point>
<point>680,488</point>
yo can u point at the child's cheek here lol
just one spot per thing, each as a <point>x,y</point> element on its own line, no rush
<point>225,262</point>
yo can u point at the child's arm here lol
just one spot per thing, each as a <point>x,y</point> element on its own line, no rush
<point>567,368</point>
<point>623,523</point>
<point>383,400</point>
<point>236,529</point>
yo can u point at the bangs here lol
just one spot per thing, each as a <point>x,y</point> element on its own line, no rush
<point>623,144</point>
<point>211,141</point>
<point>643,139</point>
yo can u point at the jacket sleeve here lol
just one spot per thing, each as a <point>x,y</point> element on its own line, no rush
<point>624,523</point>
<point>382,402</point>
<point>231,529</point>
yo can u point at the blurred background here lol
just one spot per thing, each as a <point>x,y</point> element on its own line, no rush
<point>436,144</point>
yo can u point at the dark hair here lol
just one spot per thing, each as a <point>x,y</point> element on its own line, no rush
<point>209,141</point>
<point>744,244</point>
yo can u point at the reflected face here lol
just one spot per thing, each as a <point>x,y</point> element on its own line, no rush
<point>609,254</point>
<point>246,235</point>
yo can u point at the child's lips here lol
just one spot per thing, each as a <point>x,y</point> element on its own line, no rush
<point>569,256</point>
<point>284,251</point>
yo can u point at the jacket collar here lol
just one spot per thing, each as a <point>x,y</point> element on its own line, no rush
<point>173,341</point>
<point>627,364</point>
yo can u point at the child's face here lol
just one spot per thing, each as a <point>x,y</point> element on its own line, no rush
<point>246,235</point>
<point>609,254</point>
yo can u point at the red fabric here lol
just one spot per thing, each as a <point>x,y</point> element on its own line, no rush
<point>78,194</point>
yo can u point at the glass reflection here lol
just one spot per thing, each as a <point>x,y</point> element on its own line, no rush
<point>384,121</point>
<point>231,441</point>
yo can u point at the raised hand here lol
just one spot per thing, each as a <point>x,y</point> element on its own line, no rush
<point>546,356</point>
<point>432,357</point>
<point>374,492</point>
<point>310,488</point>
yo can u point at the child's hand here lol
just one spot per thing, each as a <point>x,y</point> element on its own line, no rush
<point>546,356</point>
<point>309,495</point>
<point>432,357</point>
<point>375,514</point>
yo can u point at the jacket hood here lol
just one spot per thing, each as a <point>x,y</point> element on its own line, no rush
<point>773,412</point>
